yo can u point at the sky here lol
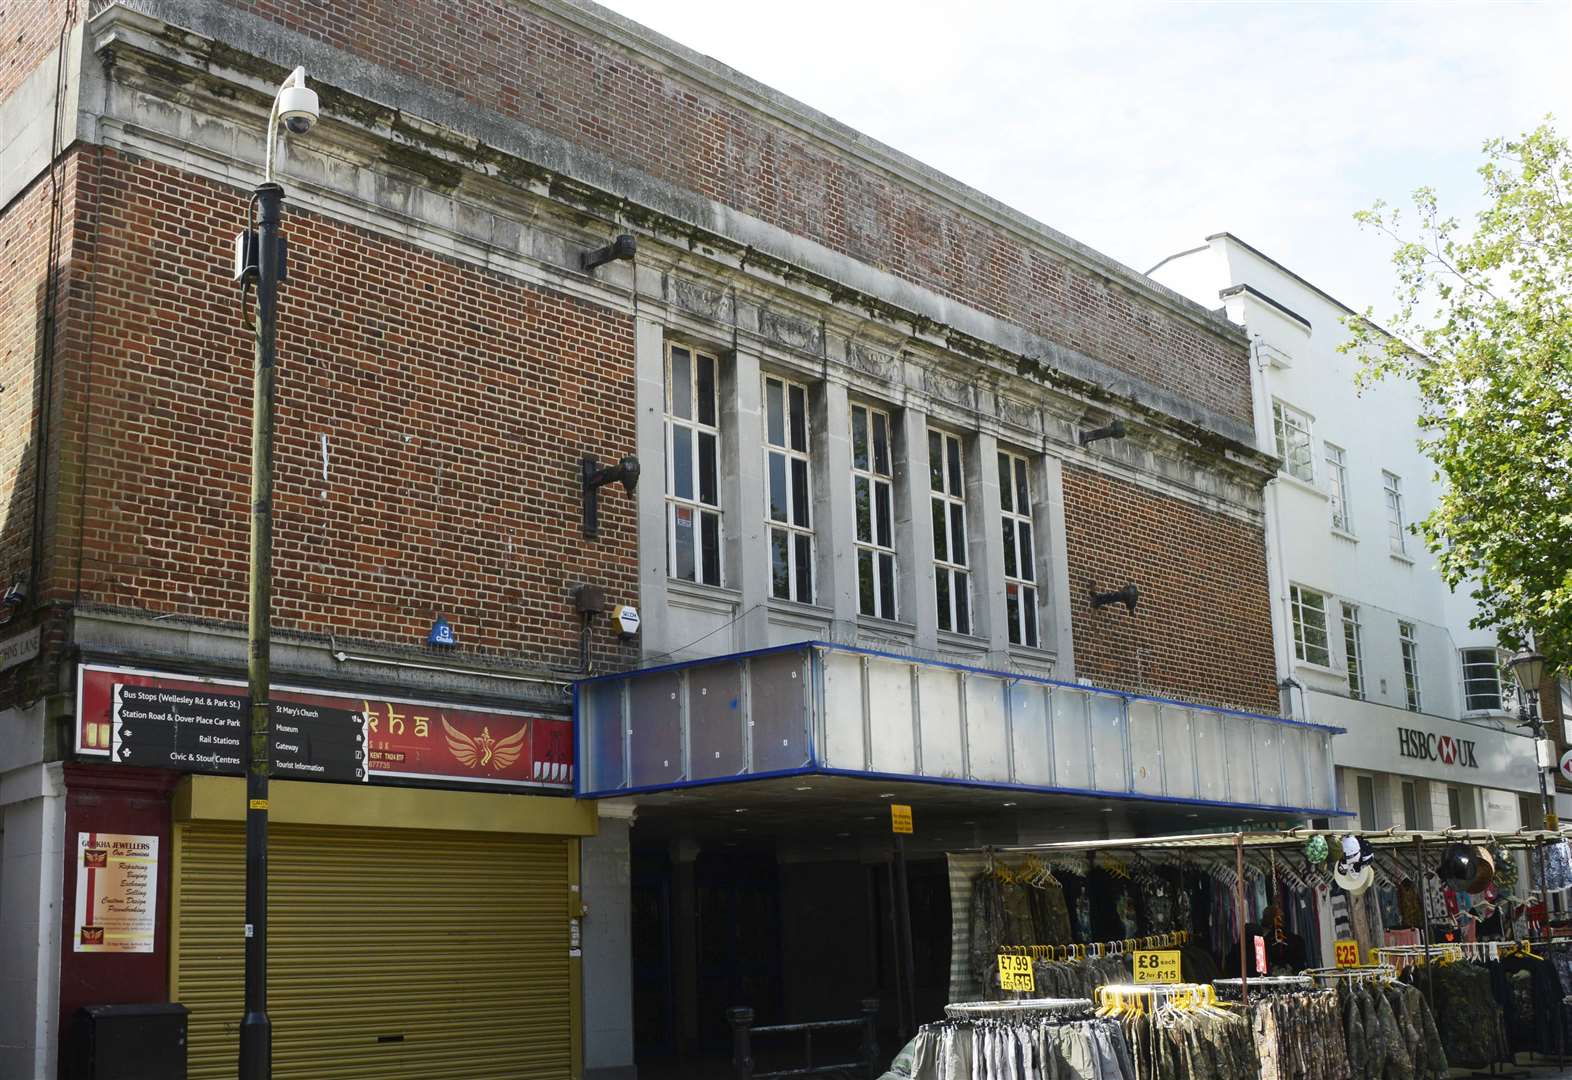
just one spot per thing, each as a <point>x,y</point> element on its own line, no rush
<point>1140,128</point>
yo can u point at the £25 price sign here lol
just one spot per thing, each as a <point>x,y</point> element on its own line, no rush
<point>1015,973</point>
<point>1346,953</point>
<point>1156,966</point>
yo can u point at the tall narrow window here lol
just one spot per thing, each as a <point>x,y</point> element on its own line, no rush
<point>947,500</point>
<point>1292,429</point>
<point>1020,553</point>
<point>1410,647</point>
<point>1396,524</point>
<point>1481,680</point>
<point>1337,486</point>
<point>789,497</point>
<point>693,515</point>
<point>1309,617</point>
<point>873,495</point>
<point>1410,805</point>
<point>1367,803</point>
<point>1351,648</point>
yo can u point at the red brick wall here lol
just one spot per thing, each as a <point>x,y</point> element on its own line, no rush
<point>502,55</point>
<point>456,404</point>
<point>29,32</point>
<point>1202,630</point>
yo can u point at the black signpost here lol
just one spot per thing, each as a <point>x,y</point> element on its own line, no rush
<point>204,732</point>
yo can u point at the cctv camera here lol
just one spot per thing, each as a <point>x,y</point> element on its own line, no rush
<point>297,107</point>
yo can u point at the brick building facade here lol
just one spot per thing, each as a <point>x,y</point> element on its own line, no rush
<point>445,363</point>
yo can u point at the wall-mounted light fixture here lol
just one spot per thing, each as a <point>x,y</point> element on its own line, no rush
<point>595,477</point>
<point>1112,430</point>
<point>1126,596</point>
<point>623,247</point>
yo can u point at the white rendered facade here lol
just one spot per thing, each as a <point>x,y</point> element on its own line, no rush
<point>1368,635</point>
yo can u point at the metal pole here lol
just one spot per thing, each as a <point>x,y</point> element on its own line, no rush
<point>895,951</point>
<point>903,919</point>
<point>741,1020</point>
<point>256,1030</point>
<point>1550,824</point>
<point>1424,920</point>
<point>1239,911</point>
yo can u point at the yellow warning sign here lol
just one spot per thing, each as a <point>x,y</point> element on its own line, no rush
<point>900,818</point>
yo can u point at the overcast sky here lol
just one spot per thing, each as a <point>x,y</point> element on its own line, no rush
<point>1141,127</point>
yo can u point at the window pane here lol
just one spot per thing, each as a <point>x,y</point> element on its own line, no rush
<point>1023,490</point>
<point>1006,488</point>
<point>958,534</point>
<point>804,568</point>
<point>706,389</point>
<point>865,591</point>
<point>864,509</point>
<point>887,586</point>
<point>941,547</point>
<point>935,461</point>
<point>881,444</point>
<point>859,418</point>
<point>682,542</point>
<point>1010,569</point>
<point>682,462</point>
<point>708,491</point>
<point>941,585</point>
<point>778,493</point>
<point>1028,564</point>
<point>953,455</point>
<point>1029,604</point>
<point>780,568</point>
<point>799,418</point>
<point>1012,608</point>
<point>799,492</point>
<point>681,399</point>
<point>774,412</point>
<point>963,604</point>
<point>881,493</point>
<point>710,523</point>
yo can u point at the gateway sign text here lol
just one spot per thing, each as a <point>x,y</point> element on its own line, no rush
<point>1414,743</point>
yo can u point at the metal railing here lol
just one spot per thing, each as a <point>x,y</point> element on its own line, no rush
<point>743,1033</point>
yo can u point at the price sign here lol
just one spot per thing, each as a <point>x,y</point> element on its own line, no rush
<point>1346,953</point>
<point>1260,955</point>
<point>1157,966</point>
<point>1015,973</point>
<point>900,819</point>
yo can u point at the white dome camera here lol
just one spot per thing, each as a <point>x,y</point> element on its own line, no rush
<point>297,104</point>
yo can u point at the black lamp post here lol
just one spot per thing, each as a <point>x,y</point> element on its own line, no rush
<point>259,258</point>
<point>1528,668</point>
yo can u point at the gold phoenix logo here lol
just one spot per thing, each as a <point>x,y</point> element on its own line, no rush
<point>481,751</point>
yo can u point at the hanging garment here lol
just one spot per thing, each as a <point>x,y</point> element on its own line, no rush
<point>1472,1026</point>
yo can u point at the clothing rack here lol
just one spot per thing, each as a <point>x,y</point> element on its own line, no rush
<point>1335,975</point>
<point>1268,984</point>
<point>1022,1008</point>
<point>1097,949</point>
<point>1118,999</point>
<point>1402,957</point>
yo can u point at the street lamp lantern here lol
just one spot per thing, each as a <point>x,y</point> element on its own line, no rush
<point>259,260</point>
<point>1528,668</point>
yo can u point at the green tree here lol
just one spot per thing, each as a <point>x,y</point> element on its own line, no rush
<point>1484,329</point>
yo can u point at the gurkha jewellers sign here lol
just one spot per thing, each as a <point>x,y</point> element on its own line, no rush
<point>1427,746</point>
<point>193,724</point>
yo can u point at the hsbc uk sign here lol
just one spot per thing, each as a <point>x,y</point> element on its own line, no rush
<point>1414,743</point>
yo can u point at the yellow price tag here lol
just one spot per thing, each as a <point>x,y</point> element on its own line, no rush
<point>1346,953</point>
<point>1015,973</point>
<point>1156,965</point>
<point>257,804</point>
<point>900,818</point>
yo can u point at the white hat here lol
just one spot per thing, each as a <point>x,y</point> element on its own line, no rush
<point>1353,880</point>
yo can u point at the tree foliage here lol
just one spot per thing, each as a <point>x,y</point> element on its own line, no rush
<point>1484,329</point>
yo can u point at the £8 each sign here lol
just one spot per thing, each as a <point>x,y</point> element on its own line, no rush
<point>1157,966</point>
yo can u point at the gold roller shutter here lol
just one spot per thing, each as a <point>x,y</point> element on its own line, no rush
<point>392,953</point>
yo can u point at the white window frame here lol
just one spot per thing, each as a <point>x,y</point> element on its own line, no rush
<point>952,574</point>
<point>1494,667</point>
<point>693,507</point>
<point>1019,532</point>
<point>876,554</point>
<point>1298,607</point>
<point>1298,458</point>
<point>1396,524</point>
<point>1408,646</point>
<point>1336,459</point>
<point>796,529</point>
<point>1353,650</point>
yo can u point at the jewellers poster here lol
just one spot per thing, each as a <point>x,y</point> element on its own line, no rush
<point>116,892</point>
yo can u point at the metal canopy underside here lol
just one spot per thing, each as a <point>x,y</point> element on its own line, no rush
<point>816,708</point>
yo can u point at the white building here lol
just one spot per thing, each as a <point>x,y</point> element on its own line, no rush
<point>1369,637</point>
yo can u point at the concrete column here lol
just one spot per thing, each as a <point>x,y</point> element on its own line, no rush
<point>32,863</point>
<point>606,878</point>
<point>1053,565</point>
<point>985,546</point>
<point>913,527</point>
<point>650,403</point>
<point>685,942</point>
<point>834,515</point>
<point>742,496</point>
